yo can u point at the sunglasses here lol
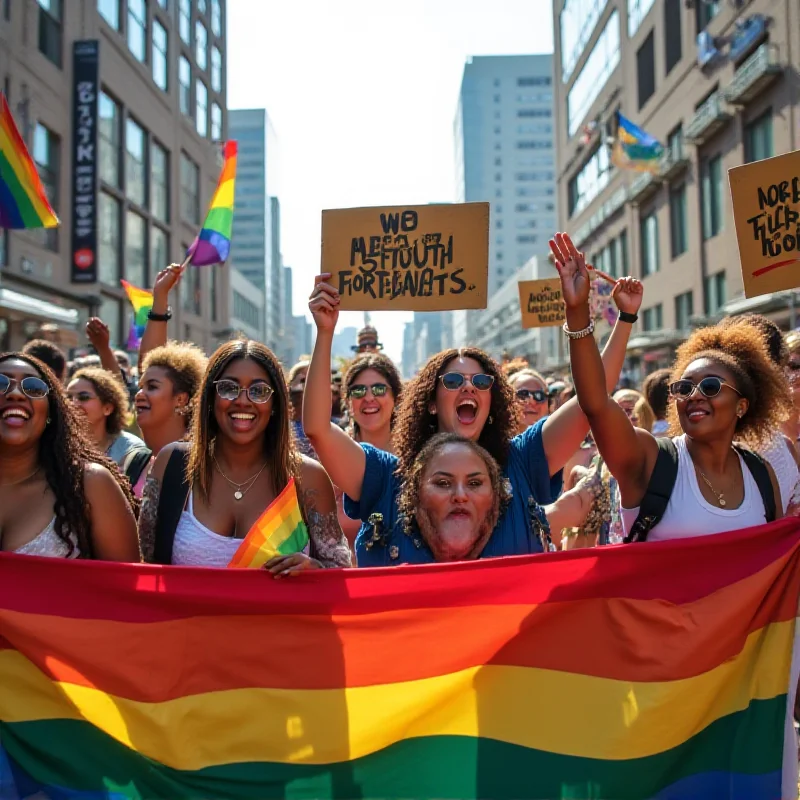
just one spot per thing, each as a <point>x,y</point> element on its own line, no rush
<point>82,397</point>
<point>257,392</point>
<point>35,388</point>
<point>452,381</point>
<point>531,394</point>
<point>708,387</point>
<point>359,390</point>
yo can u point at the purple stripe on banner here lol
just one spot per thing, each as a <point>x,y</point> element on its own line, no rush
<point>220,243</point>
<point>724,786</point>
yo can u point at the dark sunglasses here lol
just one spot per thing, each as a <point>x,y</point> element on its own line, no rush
<point>359,390</point>
<point>35,388</point>
<point>531,394</point>
<point>708,387</point>
<point>230,390</point>
<point>453,381</point>
<point>82,397</point>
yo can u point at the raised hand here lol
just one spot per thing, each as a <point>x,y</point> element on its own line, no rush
<point>98,334</point>
<point>571,266</point>
<point>628,294</point>
<point>166,281</point>
<point>323,303</point>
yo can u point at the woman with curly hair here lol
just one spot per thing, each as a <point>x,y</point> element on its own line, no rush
<point>458,391</point>
<point>59,496</point>
<point>725,389</point>
<point>204,496</point>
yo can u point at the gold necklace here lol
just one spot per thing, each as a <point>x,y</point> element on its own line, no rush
<point>719,495</point>
<point>21,480</point>
<point>239,494</point>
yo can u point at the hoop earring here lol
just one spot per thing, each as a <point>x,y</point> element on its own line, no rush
<point>490,420</point>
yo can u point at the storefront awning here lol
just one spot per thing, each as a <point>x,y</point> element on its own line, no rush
<point>34,307</point>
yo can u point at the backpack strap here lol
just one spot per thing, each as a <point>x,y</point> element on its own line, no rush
<point>760,472</point>
<point>174,491</point>
<point>659,490</point>
<point>136,459</point>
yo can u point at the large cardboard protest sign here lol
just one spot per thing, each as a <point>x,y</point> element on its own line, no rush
<point>541,303</point>
<point>408,258</point>
<point>766,210</point>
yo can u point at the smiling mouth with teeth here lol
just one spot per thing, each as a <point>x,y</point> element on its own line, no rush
<point>467,411</point>
<point>16,412</point>
<point>247,417</point>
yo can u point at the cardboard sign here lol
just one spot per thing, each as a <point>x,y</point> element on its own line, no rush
<point>420,258</point>
<point>766,210</point>
<point>541,303</point>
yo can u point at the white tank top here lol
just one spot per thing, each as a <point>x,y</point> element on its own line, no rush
<point>690,514</point>
<point>195,545</point>
<point>782,461</point>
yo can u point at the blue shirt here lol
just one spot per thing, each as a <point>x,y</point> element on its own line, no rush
<point>526,470</point>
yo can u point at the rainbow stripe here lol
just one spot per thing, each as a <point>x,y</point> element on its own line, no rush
<point>213,243</point>
<point>23,202</point>
<point>636,149</point>
<point>644,671</point>
<point>142,302</point>
<point>279,531</point>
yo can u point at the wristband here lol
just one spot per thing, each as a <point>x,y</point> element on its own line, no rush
<point>161,317</point>
<point>587,331</point>
<point>624,316</point>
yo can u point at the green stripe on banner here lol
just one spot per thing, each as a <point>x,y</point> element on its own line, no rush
<point>77,756</point>
<point>220,220</point>
<point>296,541</point>
<point>27,210</point>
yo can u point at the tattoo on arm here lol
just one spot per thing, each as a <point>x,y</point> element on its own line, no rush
<point>330,544</point>
<point>148,517</point>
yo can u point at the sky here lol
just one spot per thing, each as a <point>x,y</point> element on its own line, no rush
<point>362,95</point>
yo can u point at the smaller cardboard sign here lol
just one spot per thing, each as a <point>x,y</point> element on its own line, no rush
<point>766,211</point>
<point>408,258</point>
<point>541,303</point>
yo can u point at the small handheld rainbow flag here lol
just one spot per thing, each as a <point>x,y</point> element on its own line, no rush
<point>142,302</point>
<point>213,243</point>
<point>279,531</point>
<point>635,149</point>
<point>23,202</point>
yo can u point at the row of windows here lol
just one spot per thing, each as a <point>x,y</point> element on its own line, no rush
<point>577,21</point>
<point>714,293</point>
<point>193,101</point>
<point>646,54</point>
<point>613,258</point>
<point>534,112</point>
<point>586,184</point>
<point>245,310</point>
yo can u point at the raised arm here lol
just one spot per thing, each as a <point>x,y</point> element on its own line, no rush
<point>343,458</point>
<point>155,332</point>
<point>99,335</point>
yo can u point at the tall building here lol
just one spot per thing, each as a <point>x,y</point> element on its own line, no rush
<point>122,106</point>
<point>247,307</point>
<point>505,155</point>
<point>716,84</point>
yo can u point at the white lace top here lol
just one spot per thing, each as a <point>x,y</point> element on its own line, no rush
<point>198,546</point>
<point>49,543</point>
<point>782,462</point>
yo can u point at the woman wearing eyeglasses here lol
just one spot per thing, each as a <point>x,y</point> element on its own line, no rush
<point>458,391</point>
<point>724,389</point>
<point>204,496</point>
<point>530,389</point>
<point>59,496</point>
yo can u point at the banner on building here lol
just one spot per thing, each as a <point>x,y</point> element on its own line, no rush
<point>541,303</point>
<point>766,212</point>
<point>408,258</point>
<point>85,60</point>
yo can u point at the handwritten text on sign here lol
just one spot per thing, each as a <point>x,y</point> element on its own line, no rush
<point>541,303</point>
<point>421,258</point>
<point>766,210</point>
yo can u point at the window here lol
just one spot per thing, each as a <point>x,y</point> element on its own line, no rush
<point>637,11</point>
<point>578,18</point>
<point>623,254</point>
<point>216,69</point>
<point>711,190</point>
<point>135,176</point>
<point>110,309</point>
<point>110,136</point>
<point>201,6</point>
<point>646,69</point>
<point>159,182</point>
<point>537,81</point>
<point>164,4</point>
<point>684,309</point>
<point>672,33</point>
<point>159,250</point>
<point>50,34</point>
<point>137,29</point>
<point>533,145</point>
<point>201,107</point>
<point>714,291</point>
<point>201,45</point>
<point>590,180</point>
<point>534,112</point>
<point>675,143</point>
<point>522,224</point>
<point>216,17</point>
<point>758,138</point>
<point>596,71</point>
<point>678,226</point>
<point>46,154</point>
<point>212,292</point>
<point>7,17</point>
<point>534,176</point>
<point>108,223</point>
<point>135,254</point>
<point>526,239</point>
<point>649,235</point>
<point>216,123</point>
<point>190,190</point>
<point>190,292</point>
<point>109,11</point>
<point>653,318</point>
<point>706,11</point>
<point>185,20</point>
<point>185,81</point>
<point>160,57</point>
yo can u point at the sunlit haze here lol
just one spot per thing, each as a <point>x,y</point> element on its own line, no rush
<point>363,96</point>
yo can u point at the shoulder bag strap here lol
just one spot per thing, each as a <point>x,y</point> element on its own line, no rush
<point>760,472</point>
<point>174,491</point>
<point>659,490</point>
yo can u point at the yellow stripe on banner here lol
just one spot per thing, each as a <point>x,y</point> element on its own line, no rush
<point>557,712</point>
<point>223,197</point>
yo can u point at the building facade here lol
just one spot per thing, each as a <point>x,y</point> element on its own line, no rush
<point>129,153</point>
<point>246,307</point>
<point>716,83</point>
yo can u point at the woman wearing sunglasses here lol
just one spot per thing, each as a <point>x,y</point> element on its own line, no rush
<point>530,389</point>
<point>59,496</point>
<point>203,497</point>
<point>458,391</point>
<point>724,389</point>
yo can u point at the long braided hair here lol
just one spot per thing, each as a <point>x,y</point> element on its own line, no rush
<point>65,449</point>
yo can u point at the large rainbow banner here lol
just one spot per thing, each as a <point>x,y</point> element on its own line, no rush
<point>657,670</point>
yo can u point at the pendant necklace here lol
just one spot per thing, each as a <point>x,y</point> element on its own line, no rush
<point>719,495</point>
<point>241,488</point>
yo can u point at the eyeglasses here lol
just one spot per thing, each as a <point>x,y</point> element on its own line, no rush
<point>82,397</point>
<point>359,390</point>
<point>32,387</point>
<point>708,387</point>
<point>452,381</point>
<point>527,394</point>
<point>257,392</point>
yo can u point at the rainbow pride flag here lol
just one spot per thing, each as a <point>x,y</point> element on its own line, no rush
<point>23,202</point>
<point>279,531</point>
<point>142,302</point>
<point>213,243</point>
<point>635,149</point>
<point>658,670</point>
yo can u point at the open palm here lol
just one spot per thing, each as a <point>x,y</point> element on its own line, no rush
<point>571,266</point>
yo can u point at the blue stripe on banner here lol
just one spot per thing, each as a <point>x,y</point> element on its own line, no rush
<point>724,786</point>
